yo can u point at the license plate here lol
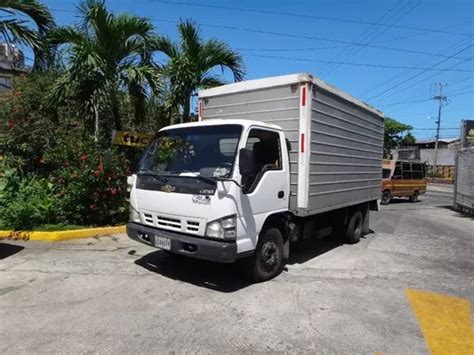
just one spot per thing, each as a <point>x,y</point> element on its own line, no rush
<point>163,243</point>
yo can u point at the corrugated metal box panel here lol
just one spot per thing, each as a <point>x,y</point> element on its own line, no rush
<point>276,105</point>
<point>346,153</point>
<point>465,179</point>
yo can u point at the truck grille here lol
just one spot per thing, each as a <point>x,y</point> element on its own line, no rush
<point>168,222</point>
<point>172,223</point>
<point>192,226</point>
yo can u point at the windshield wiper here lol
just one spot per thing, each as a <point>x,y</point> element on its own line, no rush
<point>208,179</point>
<point>149,172</point>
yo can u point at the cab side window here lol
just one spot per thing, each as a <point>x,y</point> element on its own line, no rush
<point>406,168</point>
<point>267,155</point>
<point>417,171</point>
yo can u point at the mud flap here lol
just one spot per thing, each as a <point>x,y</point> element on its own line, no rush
<point>366,223</point>
<point>286,249</point>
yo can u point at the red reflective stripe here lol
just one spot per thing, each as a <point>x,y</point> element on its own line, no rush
<point>302,142</point>
<point>200,109</point>
<point>303,96</point>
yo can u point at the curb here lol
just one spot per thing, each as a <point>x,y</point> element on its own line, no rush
<point>61,235</point>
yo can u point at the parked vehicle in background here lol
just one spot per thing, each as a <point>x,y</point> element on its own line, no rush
<point>403,179</point>
<point>270,162</point>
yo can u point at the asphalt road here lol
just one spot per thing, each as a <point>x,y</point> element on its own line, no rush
<point>112,295</point>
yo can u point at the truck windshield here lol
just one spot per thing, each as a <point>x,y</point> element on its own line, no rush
<point>206,151</point>
<point>386,173</point>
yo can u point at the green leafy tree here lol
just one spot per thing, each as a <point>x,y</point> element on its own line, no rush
<point>106,55</point>
<point>14,28</point>
<point>396,134</point>
<point>191,63</point>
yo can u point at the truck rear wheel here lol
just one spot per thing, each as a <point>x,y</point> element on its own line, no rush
<point>354,228</point>
<point>267,261</point>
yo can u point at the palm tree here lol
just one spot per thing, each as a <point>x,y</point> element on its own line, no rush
<point>107,55</point>
<point>16,30</point>
<point>191,63</point>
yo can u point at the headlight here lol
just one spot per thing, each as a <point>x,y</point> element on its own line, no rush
<point>224,228</point>
<point>134,216</point>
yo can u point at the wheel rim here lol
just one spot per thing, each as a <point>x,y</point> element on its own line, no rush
<point>415,197</point>
<point>386,197</point>
<point>269,257</point>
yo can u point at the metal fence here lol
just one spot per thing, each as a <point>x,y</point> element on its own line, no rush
<point>464,185</point>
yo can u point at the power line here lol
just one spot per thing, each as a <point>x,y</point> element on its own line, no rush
<point>423,34</point>
<point>460,89</point>
<point>427,61</point>
<point>421,73</point>
<point>291,35</point>
<point>372,33</point>
<point>463,93</point>
<point>360,64</point>
<point>365,35</point>
<point>286,49</point>
<point>406,102</point>
<point>289,49</point>
<point>434,129</point>
<point>313,17</point>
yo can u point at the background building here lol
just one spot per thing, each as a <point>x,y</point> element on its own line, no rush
<point>424,151</point>
<point>12,62</point>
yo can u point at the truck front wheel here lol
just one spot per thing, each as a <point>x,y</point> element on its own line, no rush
<point>267,261</point>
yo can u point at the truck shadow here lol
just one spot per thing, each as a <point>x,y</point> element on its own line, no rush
<point>223,277</point>
<point>215,276</point>
<point>310,249</point>
<point>7,250</point>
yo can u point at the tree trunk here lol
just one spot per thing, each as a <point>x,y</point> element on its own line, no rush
<point>116,112</point>
<point>186,108</point>
<point>96,125</point>
<point>139,110</point>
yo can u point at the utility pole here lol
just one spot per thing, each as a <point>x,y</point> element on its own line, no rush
<point>441,100</point>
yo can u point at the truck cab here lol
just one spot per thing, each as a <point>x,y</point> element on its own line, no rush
<point>206,189</point>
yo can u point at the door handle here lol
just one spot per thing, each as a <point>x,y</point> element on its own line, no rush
<point>281,194</point>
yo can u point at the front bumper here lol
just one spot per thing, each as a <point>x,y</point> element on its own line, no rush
<point>224,252</point>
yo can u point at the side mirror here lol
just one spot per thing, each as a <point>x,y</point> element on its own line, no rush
<point>246,162</point>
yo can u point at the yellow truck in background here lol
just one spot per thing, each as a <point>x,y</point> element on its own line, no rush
<point>402,179</point>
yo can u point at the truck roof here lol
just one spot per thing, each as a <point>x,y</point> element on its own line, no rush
<point>257,84</point>
<point>214,122</point>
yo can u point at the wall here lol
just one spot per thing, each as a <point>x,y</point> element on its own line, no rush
<point>464,186</point>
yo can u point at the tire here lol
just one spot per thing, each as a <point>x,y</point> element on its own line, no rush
<point>354,228</point>
<point>415,196</point>
<point>386,197</point>
<point>267,261</point>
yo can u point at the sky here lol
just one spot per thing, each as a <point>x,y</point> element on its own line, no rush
<point>398,43</point>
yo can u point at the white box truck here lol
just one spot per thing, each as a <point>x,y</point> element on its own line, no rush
<point>270,162</point>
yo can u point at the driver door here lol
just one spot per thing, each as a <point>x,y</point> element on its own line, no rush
<point>266,191</point>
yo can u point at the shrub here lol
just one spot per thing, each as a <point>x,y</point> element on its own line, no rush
<point>27,202</point>
<point>90,181</point>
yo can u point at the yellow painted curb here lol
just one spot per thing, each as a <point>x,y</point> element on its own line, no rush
<point>61,235</point>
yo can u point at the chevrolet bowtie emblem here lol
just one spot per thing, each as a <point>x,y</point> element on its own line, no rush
<point>168,188</point>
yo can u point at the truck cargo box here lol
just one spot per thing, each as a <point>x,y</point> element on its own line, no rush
<point>336,140</point>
